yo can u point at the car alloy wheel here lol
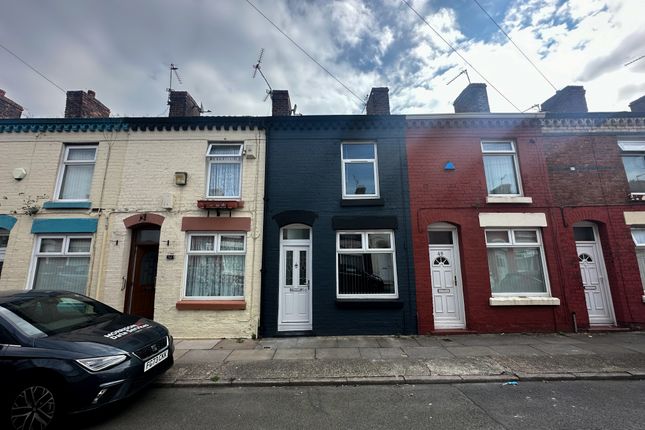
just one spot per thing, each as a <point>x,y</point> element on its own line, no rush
<point>33,408</point>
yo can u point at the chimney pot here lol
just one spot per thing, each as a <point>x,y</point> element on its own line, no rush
<point>91,93</point>
<point>378,102</point>
<point>638,105</point>
<point>8,108</point>
<point>473,98</point>
<point>569,99</point>
<point>182,104</point>
<point>280,103</point>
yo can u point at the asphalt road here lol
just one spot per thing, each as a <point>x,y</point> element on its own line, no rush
<point>530,405</point>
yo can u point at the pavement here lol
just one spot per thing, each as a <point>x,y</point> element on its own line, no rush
<point>365,360</point>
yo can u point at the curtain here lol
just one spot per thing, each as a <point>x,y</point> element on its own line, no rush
<point>77,181</point>
<point>62,273</point>
<point>215,275</point>
<point>500,174</point>
<point>224,180</point>
<point>516,270</point>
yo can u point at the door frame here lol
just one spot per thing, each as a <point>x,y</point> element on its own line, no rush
<point>132,268</point>
<point>306,244</point>
<point>459,288</point>
<point>606,287</point>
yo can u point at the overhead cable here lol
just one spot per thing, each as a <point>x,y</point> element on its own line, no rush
<point>32,68</point>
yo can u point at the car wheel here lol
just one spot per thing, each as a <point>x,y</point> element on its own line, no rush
<point>34,406</point>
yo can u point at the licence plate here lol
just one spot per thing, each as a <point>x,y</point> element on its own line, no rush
<point>155,360</point>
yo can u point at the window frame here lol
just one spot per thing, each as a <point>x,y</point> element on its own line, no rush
<point>632,149</point>
<point>3,249</point>
<point>236,159</point>
<point>64,253</point>
<point>216,251</point>
<point>64,162</point>
<point>639,247</point>
<point>363,250</point>
<point>516,164</point>
<point>512,243</point>
<point>374,161</point>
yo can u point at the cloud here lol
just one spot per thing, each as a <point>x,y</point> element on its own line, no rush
<point>627,49</point>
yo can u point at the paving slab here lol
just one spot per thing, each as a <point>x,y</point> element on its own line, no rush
<point>393,342</point>
<point>196,344</point>
<point>211,356</point>
<point>638,347</point>
<point>357,342</point>
<point>556,338</point>
<point>427,352</point>
<point>317,342</point>
<point>370,353</point>
<point>250,355</point>
<point>275,343</point>
<point>466,366</point>
<point>561,349</point>
<point>525,350</point>
<point>392,353</point>
<point>337,353</point>
<point>295,354</point>
<point>606,349</point>
<point>237,344</point>
<point>179,353</point>
<point>428,340</point>
<point>493,339</point>
<point>471,351</point>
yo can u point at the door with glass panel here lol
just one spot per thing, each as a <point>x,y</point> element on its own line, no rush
<point>295,280</point>
<point>445,275</point>
<point>142,273</point>
<point>594,277</point>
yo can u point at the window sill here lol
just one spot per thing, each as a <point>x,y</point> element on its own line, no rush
<point>509,199</point>
<point>211,305</point>
<point>67,205</point>
<point>369,303</point>
<point>643,298</point>
<point>220,204</point>
<point>524,301</point>
<point>363,202</point>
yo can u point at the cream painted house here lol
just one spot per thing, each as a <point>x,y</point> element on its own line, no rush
<point>160,217</point>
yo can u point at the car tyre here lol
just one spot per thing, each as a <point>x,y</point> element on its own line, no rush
<point>34,405</point>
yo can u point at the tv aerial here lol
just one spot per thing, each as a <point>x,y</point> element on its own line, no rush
<point>173,70</point>
<point>256,69</point>
<point>465,71</point>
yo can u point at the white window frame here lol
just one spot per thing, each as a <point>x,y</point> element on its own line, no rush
<point>516,164</point>
<point>224,159</point>
<point>634,149</point>
<point>3,249</point>
<point>364,249</point>
<point>640,246</point>
<point>374,162</point>
<point>63,253</point>
<point>63,167</point>
<point>216,251</point>
<point>512,243</point>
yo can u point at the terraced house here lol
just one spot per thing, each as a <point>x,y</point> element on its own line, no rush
<point>160,217</point>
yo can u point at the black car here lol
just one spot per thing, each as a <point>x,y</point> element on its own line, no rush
<point>63,352</point>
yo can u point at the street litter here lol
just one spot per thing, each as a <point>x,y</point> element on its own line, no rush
<point>511,383</point>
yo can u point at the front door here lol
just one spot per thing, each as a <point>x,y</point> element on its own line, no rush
<point>142,273</point>
<point>295,289</point>
<point>594,279</point>
<point>447,294</point>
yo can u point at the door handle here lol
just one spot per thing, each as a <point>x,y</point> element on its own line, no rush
<point>455,280</point>
<point>308,285</point>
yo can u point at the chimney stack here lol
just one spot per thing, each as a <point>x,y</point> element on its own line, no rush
<point>638,105</point>
<point>378,102</point>
<point>182,104</point>
<point>280,103</point>
<point>8,108</point>
<point>569,99</point>
<point>473,98</point>
<point>81,104</point>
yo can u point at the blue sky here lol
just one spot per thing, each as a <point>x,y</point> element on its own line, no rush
<point>122,50</point>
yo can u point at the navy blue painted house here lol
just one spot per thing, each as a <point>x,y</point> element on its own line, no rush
<point>337,256</point>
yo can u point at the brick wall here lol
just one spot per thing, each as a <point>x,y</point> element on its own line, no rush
<point>81,104</point>
<point>9,108</point>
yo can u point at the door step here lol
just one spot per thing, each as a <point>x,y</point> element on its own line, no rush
<point>607,328</point>
<point>449,331</point>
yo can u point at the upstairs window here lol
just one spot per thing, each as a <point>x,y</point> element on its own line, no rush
<point>501,168</point>
<point>638,234</point>
<point>516,262</point>
<point>75,174</point>
<point>224,170</point>
<point>4,239</point>
<point>633,155</point>
<point>61,263</point>
<point>360,170</point>
<point>366,264</point>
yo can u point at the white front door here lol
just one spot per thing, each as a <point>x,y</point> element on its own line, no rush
<point>447,296</point>
<point>594,282</point>
<point>295,288</point>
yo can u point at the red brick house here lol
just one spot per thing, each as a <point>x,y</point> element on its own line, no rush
<point>494,200</point>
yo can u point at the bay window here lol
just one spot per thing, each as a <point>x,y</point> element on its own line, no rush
<point>215,266</point>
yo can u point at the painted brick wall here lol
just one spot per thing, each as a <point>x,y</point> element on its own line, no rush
<point>304,173</point>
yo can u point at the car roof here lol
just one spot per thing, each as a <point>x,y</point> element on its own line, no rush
<point>9,296</point>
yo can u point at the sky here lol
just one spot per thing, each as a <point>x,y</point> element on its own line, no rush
<point>122,49</point>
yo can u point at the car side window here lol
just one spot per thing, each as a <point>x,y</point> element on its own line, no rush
<point>5,337</point>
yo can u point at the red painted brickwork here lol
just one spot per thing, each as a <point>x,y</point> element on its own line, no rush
<point>597,185</point>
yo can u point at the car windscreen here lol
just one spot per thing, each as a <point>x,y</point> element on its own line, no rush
<point>58,313</point>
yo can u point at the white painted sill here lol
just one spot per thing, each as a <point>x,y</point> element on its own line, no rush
<point>524,301</point>
<point>508,199</point>
<point>643,298</point>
